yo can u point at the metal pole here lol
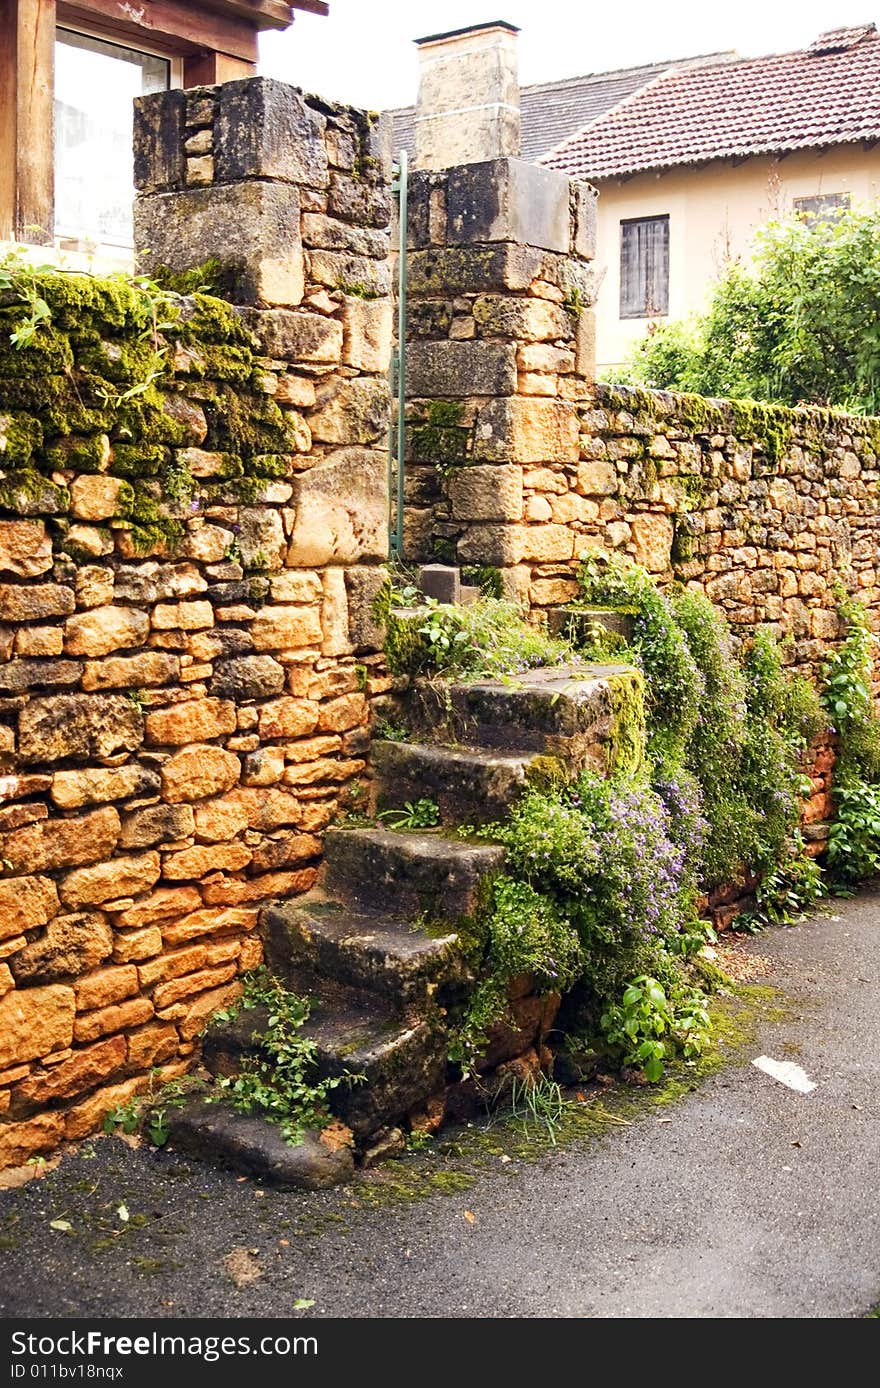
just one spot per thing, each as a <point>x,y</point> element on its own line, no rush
<point>401,347</point>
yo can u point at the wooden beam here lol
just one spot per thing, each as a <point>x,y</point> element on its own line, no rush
<point>264,14</point>
<point>208,69</point>
<point>170,25</point>
<point>27,119</point>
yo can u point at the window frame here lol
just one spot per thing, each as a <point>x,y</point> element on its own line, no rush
<point>67,240</point>
<point>645,312</point>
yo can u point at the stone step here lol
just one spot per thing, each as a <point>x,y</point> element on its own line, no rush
<point>578,624</point>
<point>574,714</point>
<point>217,1134</point>
<point>409,873</point>
<point>313,938</point>
<point>402,1060</point>
<point>470,784</point>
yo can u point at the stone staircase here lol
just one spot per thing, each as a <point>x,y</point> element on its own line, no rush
<point>375,945</point>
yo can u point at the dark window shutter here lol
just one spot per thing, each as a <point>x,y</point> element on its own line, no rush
<point>644,267</point>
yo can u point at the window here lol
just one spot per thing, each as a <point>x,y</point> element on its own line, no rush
<point>95,85</point>
<point>824,207</point>
<point>644,267</point>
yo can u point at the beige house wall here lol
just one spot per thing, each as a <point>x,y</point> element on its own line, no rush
<point>714,211</point>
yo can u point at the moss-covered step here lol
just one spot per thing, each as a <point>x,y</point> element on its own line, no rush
<point>470,784</point>
<point>588,717</point>
<point>216,1133</point>
<point>399,1062</point>
<point>410,874</point>
<point>316,938</point>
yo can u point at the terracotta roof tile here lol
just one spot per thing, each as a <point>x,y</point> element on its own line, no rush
<point>826,95</point>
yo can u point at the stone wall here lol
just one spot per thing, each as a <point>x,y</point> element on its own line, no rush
<point>193,522</point>
<point>518,460</point>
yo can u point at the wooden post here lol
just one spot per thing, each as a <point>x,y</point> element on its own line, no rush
<point>207,69</point>
<point>27,120</point>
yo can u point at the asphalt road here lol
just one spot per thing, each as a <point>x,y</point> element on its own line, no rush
<point>742,1198</point>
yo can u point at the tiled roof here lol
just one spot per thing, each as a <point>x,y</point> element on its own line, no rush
<point>553,111</point>
<point>828,94</point>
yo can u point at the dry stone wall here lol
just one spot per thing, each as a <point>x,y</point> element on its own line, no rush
<point>193,524</point>
<point>518,460</point>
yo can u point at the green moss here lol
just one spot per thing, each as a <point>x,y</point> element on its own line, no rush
<point>443,549</point>
<point>29,493</point>
<point>21,435</point>
<point>82,452</point>
<point>206,278</point>
<point>627,744</point>
<point>137,460</point>
<point>439,434</point>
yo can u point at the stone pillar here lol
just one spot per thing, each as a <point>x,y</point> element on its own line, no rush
<point>289,197</point>
<point>500,352</point>
<point>468,105</point>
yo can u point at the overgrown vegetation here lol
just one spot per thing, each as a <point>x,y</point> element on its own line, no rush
<point>487,638</point>
<point>88,359</point>
<point>604,879</point>
<point>796,325</point>
<point>279,1083</point>
<point>854,844</point>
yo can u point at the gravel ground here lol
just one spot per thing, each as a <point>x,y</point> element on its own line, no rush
<point>739,1198</point>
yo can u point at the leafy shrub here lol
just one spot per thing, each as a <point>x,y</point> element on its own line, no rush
<point>486,638</point>
<point>798,324</point>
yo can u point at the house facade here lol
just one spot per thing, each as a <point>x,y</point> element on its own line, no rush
<point>690,157</point>
<point>69,73</point>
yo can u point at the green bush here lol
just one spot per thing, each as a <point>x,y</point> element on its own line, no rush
<point>798,325</point>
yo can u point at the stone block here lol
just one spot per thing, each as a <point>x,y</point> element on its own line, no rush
<point>90,1025</point>
<point>586,199</point>
<point>498,545</point>
<point>547,544</point>
<point>121,877</point>
<point>165,904</point>
<point>350,273</point>
<point>20,1142</point>
<point>105,629</point>
<point>356,412</point>
<point>365,631</point>
<point>196,863</point>
<point>532,320</point>
<point>296,336</point>
<point>329,234</point>
<point>442,582</point>
<point>487,493</point>
<point>286,628</point>
<point>95,786</point>
<point>652,541</point>
<point>456,270</point>
<point>366,334</point>
<point>35,1022</point>
<point>263,262</point>
<point>197,772</point>
<point>264,129</point>
<point>94,498</point>
<point>36,641</point>
<point>159,155</point>
<point>261,537</point>
<point>598,478</point>
<point>288,717</point>
<point>24,676</point>
<point>31,603</point>
<point>141,671</point>
<point>25,548</point>
<point>156,824</point>
<point>133,946</point>
<point>105,987</point>
<point>70,946</point>
<point>195,720</point>
<point>248,677</point>
<point>78,725</point>
<point>508,200</point>
<point>527,431</point>
<point>219,821</point>
<point>25,904</point>
<point>355,200</point>
<point>341,510</point>
<point>83,1071</point>
<point>460,369</point>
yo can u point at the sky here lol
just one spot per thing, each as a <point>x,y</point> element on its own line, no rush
<point>363,52</point>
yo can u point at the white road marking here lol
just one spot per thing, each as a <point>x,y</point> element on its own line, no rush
<point>786,1072</point>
